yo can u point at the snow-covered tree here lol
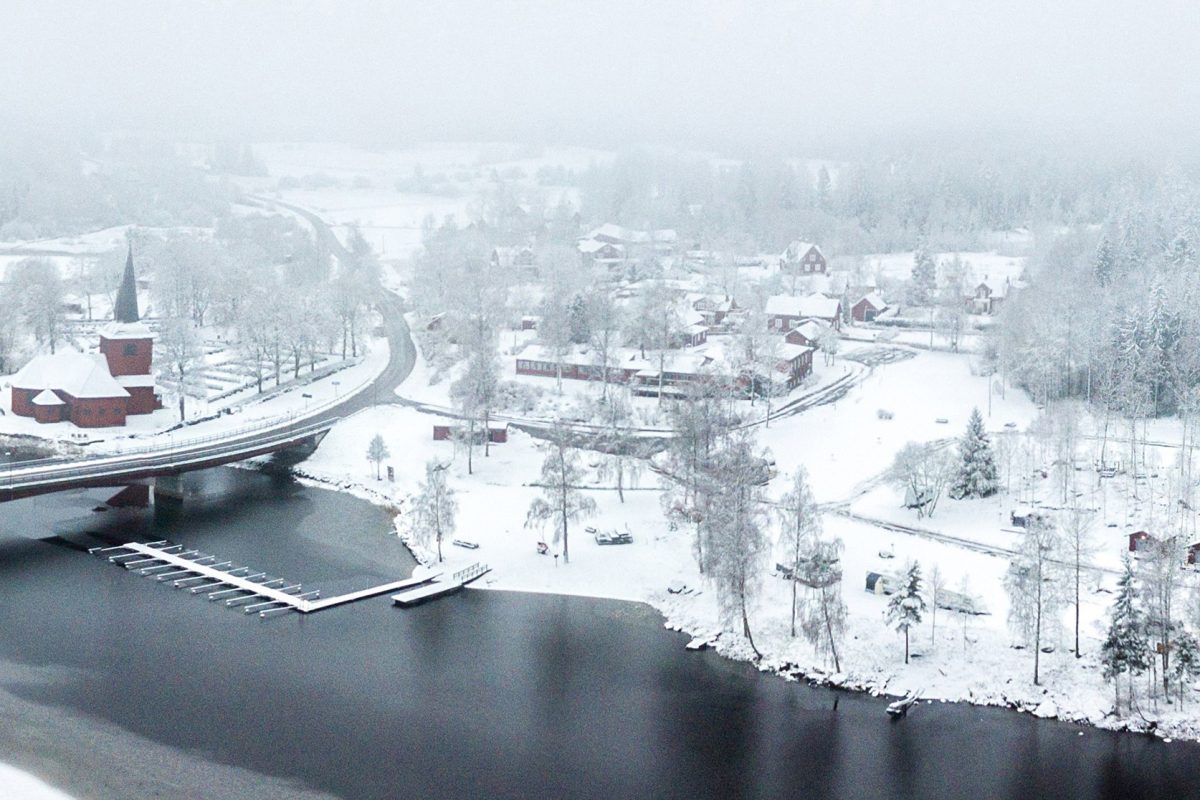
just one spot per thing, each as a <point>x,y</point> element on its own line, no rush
<point>977,475</point>
<point>475,394</point>
<point>733,527</point>
<point>801,524</point>
<point>377,451</point>
<point>1078,545</point>
<point>181,360</point>
<point>923,283</point>
<point>907,605</point>
<point>562,501</point>
<point>1125,649</point>
<point>1185,666</point>
<point>824,611</point>
<point>434,508</point>
<point>38,286</point>
<point>1104,265</point>
<point>922,470</point>
<point>624,451</point>
<point>937,585</point>
<point>1161,576</point>
<point>1033,593</point>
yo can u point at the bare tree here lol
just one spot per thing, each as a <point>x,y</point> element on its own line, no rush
<point>1034,595</point>
<point>562,501</point>
<point>181,360</point>
<point>733,527</point>
<point>923,471</point>
<point>801,524</point>
<point>377,451</point>
<point>1078,545</point>
<point>434,507</point>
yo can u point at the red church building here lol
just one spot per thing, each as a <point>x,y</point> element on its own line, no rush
<point>99,389</point>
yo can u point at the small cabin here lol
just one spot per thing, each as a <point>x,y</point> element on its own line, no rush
<point>1192,550</point>
<point>1140,540</point>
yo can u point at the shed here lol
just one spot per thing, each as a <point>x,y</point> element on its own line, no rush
<point>1193,549</point>
<point>878,583</point>
<point>1140,540</point>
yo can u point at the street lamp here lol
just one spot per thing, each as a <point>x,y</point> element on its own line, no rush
<point>8,458</point>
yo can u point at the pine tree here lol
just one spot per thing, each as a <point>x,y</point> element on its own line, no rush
<point>907,605</point>
<point>977,473</point>
<point>923,284</point>
<point>1105,263</point>
<point>1186,666</point>
<point>1125,647</point>
<point>1180,253</point>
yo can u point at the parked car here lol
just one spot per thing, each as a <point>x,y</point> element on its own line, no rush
<point>466,543</point>
<point>621,537</point>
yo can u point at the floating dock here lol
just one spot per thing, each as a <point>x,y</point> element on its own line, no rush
<point>237,586</point>
<point>440,587</point>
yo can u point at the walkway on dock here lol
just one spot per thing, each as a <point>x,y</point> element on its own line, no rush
<point>441,587</point>
<point>257,591</point>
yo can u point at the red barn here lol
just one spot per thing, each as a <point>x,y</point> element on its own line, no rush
<point>868,308</point>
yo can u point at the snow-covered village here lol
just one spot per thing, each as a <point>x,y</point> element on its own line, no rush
<point>469,440</point>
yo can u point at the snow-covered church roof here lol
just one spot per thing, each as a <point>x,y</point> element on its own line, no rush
<point>77,374</point>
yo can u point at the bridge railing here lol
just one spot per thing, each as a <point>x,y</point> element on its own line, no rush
<point>285,422</point>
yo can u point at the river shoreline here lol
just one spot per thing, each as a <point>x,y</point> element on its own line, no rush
<point>677,616</point>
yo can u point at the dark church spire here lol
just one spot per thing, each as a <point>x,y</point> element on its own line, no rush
<point>126,307</point>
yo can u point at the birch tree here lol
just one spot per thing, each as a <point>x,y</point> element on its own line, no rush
<point>734,528</point>
<point>1031,582</point>
<point>434,507</point>
<point>377,452</point>
<point>562,501</point>
<point>181,361</point>
<point>801,524</point>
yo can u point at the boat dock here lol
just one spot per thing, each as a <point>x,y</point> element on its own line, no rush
<point>237,586</point>
<point>440,587</point>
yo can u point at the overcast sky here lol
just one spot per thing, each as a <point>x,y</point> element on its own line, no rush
<point>605,71</point>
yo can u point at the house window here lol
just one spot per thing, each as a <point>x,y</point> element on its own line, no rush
<point>130,350</point>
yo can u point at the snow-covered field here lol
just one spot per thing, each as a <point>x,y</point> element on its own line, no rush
<point>845,446</point>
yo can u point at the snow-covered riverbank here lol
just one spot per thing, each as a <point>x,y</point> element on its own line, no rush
<point>967,658</point>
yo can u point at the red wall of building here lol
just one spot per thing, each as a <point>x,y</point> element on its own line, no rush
<point>44,414</point>
<point>98,412</point>
<point>141,400</point>
<point>22,401</point>
<point>127,356</point>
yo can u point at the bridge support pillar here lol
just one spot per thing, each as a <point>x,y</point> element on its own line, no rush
<point>168,490</point>
<point>134,496</point>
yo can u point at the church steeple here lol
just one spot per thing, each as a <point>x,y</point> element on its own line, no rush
<point>125,309</point>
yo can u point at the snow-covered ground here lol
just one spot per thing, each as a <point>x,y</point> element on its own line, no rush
<point>845,446</point>
<point>20,785</point>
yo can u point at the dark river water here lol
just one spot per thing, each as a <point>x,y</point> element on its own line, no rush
<point>483,694</point>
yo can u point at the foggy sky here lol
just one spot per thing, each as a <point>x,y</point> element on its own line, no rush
<point>603,72</point>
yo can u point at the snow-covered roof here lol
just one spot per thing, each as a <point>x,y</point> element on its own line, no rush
<point>874,300</point>
<point>798,249</point>
<point>48,398</point>
<point>77,374</point>
<point>814,305</point>
<point>126,330</point>
<point>593,246</point>
<point>810,329</point>
<point>617,233</point>
<point>790,352</point>
<point>136,380</point>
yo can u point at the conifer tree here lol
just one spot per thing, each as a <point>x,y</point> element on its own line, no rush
<point>907,605</point>
<point>1186,666</point>
<point>1105,263</point>
<point>977,473</point>
<point>1125,646</point>
<point>923,285</point>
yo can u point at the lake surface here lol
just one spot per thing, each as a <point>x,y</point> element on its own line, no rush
<point>483,694</point>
